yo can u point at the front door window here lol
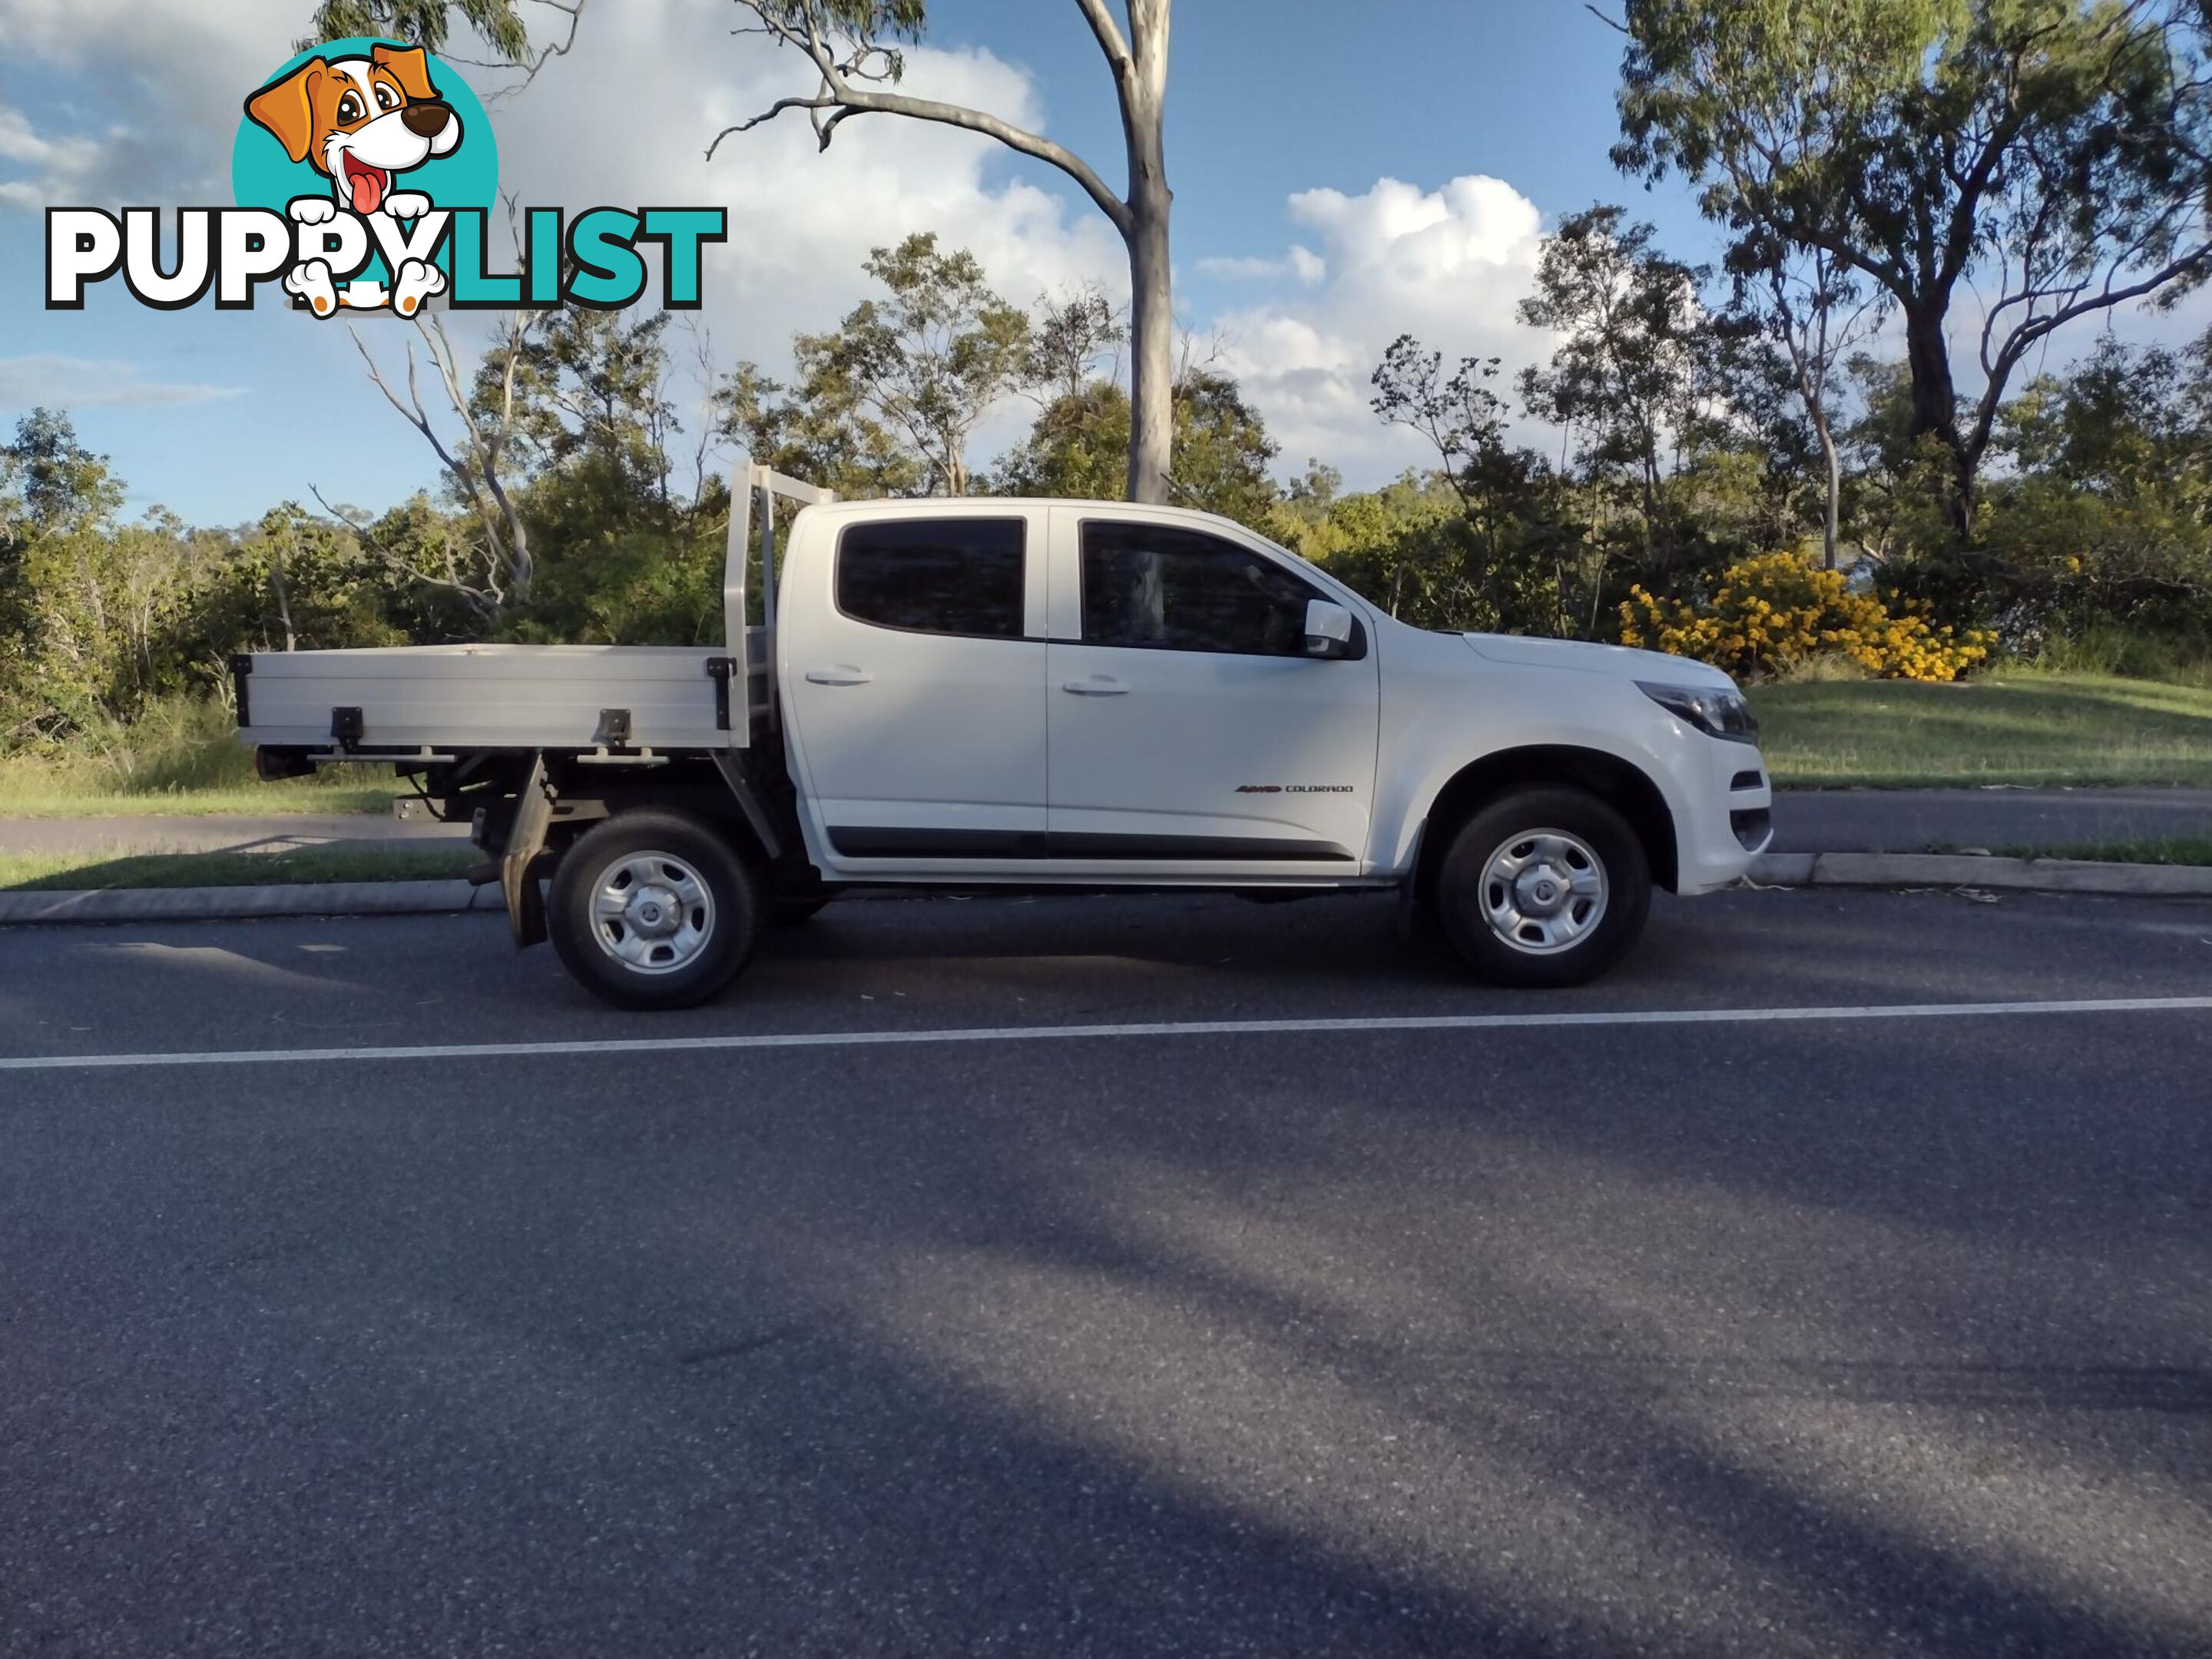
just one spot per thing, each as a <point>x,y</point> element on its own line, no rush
<point>1161,588</point>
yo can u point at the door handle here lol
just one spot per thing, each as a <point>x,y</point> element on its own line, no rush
<point>842,674</point>
<point>1098,685</point>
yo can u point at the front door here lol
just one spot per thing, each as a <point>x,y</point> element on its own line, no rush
<point>915,673</point>
<point>1187,723</point>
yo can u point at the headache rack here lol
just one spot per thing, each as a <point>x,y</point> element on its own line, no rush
<point>751,482</point>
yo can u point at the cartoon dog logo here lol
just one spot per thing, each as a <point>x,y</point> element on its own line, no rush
<point>361,122</point>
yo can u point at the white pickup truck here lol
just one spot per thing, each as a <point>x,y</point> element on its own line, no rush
<point>972,693</point>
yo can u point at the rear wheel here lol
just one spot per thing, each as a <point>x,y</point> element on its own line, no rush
<point>654,909</point>
<point>1545,886</point>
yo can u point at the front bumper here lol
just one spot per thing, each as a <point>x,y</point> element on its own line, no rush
<point>1728,820</point>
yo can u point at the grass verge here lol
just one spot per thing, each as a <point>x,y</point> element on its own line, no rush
<point>256,800</point>
<point>2180,849</point>
<point>2018,728</point>
<point>47,873</point>
<point>182,759</point>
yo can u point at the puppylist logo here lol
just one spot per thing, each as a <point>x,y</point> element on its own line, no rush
<point>365,173</point>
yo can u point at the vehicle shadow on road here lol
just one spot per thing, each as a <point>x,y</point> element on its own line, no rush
<point>1669,1340</point>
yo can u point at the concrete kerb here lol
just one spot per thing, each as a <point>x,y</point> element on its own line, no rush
<point>1973,870</point>
<point>410,898</point>
<point>335,898</point>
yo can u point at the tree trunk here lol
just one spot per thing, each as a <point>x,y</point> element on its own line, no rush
<point>1832,524</point>
<point>1151,301</point>
<point>283,594</point>
<point>1936,407</point>
<point>1152,361</point>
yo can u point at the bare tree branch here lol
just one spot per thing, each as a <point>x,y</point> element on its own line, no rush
<point>475,471</point>
<point>1109,35</point>
<point>840,93</point>
<point>531,63</point>
<point>484,601</point>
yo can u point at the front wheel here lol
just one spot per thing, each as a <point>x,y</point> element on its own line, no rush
<point>790,909</point>
<point>1544,887</point>
<point>653,910</point>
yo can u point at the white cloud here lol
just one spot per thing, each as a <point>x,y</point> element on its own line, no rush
<point>79,382</point>
<point>1449,265</point>
<point>58,169</point>
<point>177,75</point>
<point>801,220</point>
<point>160,89</point>
<point>1302,264</point>
<point>606,125</point>
<point>18,142</point>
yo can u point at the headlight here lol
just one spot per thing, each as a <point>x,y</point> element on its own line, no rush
<point>1718,711</point>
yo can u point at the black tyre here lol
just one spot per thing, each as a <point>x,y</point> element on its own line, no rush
<point>1545,886</point>
<point>789,909</point>
<point>654,909</point>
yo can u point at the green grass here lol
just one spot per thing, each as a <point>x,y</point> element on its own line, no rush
<point>36,799</point>
<point>47,873</point>
<point>182,758</point>
<point>2174,849</point>
<point>2020,727</point>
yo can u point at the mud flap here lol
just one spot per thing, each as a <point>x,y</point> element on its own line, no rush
<point>1416,920</point>
<point>749,803</point>
<point>526,905</point>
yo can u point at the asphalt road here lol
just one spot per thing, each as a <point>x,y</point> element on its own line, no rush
<point>1794,1336</point>
<point>1924,820</point>
<point>1805,821</point>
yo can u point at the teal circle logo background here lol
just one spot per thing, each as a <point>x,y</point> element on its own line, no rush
<point>263,176</point>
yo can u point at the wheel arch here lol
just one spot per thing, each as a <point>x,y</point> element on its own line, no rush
<point>1627,787</point>
<point>710,790</point>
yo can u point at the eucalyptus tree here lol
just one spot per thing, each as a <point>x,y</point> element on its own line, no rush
<point>2052,156</point>
<point>1806,301</point>
<point>928,361</point>
<point>1069,333</point>
<point>1501,561</point>
<point>503,27</point>
<point>1222,452</point>
<point>852,48</point>
<point>1624,374</point>
<point>829,439</point>
<point>587,387</point>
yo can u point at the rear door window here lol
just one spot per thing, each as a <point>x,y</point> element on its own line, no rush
<point>958,576</point>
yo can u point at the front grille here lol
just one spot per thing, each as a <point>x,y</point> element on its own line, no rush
<point>1753,826</point>
<point>1750,780</point>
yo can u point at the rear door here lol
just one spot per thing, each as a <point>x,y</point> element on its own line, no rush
<point>913,659</point>
<point>1187,723</point>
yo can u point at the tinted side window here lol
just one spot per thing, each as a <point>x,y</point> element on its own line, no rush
<point>1182,590</point>
<point>935,575</point>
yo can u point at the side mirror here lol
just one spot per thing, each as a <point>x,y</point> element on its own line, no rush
<point>1328,629</point>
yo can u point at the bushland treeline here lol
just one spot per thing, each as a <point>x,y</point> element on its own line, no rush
<point>1678,446</point>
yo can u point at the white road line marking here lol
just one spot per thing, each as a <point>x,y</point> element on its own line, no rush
<point>1163,1029</point>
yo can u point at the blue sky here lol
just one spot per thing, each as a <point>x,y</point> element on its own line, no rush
<point>1342,172</point>
<point>217,416</point>
<point>1422,90</point>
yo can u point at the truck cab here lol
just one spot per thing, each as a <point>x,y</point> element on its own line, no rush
<point>971,693</point>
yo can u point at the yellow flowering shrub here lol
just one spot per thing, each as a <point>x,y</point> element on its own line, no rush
<point>1772,612</point>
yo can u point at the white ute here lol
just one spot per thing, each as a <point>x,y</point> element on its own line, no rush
<point>972,693</point>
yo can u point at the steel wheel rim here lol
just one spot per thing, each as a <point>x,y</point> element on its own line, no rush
<point>1543,891</point>
<point>652,912</point>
